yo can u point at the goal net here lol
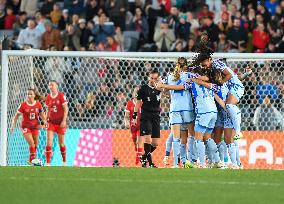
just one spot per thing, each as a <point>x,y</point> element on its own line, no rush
<point>98,85</point>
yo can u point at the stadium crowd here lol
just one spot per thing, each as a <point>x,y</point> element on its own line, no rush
<point>144,25</point>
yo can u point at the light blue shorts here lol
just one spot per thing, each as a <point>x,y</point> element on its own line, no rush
<point>183,117</point>
<point>227,120</point>
<point>220,118</point>
<point>205,123</point>
<point>237,91</point>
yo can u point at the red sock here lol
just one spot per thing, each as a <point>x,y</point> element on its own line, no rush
<point>63,153</point>
<point>48,152</point>
<point>138,155</point>
<point>32,153</point>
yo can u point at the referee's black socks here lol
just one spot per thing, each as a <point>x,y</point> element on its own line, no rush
<point>153,148</point>
<point>148,150</point>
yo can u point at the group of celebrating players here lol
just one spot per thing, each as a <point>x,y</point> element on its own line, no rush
<point>203,110</point>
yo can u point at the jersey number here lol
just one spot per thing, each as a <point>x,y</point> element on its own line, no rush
<point>32,116</point>
<point>54,109</point>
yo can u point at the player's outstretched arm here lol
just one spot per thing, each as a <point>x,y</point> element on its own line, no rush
<point>227,77</point>
<point>220,101</point>
<point>14,122</point>
<point>161,85</point>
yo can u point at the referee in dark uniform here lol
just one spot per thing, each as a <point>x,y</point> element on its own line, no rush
<point>149,96</point>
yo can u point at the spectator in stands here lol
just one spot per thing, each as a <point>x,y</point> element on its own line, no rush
<point>21,23</point>
<point>119,38</point>
<point>41,19</point>
<point>86,34</point>
<point>71,38</point>
<point>190,46</point>
<point>214,5</point>
<point>222,45</point>
<point>237,35</point>
<point>260,38</point>
<point>51,37</point>
<point>31,35</point>
<point>111,44</point>
<point>194,25</point>
<point>92,8</point>
<point>9,19</point>
<point>271,6</point>
<point>205,12</point>
<point>164,37</point>
<point>47,7</point>
<point>173,20</point>
<point>139,24</point>
<point>103,29</point>
<point>55,14</point>
<point>225,24</point>
<point>29,6</point>
<point>267,117</point>
<point>117,12</point>
<point>77,6</point>
<point>75,19</point>
<point>263,11</point>
<point>183,29</point>
<point>178,46</point>
<point>15,4</point>
<point>64,20</point>
<point>2,13</point>
<point>211,29</point>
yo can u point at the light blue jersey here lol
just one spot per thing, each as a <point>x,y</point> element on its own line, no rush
<point>234,85</point>
<point>181,100</point>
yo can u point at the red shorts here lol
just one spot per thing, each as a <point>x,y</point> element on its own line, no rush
<point>56,128</point>
<point>135,131</point>
<point>26,131</point>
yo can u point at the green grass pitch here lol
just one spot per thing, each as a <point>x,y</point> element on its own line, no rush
<point>27,185</point>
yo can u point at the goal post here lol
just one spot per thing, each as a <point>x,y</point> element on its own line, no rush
<point>97,86</point>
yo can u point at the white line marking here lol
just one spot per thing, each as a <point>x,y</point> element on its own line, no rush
<point>177,181</point>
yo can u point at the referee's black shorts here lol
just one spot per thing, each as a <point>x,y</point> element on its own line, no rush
<point>150,124</point>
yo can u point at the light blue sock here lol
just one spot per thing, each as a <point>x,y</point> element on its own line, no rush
<point>176,150</point>
<point>183,153</point>
<point>200,151</point>
<point>208,153</point>
<point>232,152</point>
<point>237,153</point>
<point>213,149</point>
<point>169,144</point>
<point>221,150</point>
<point>226,155</point>
<point>191,154</point>
<point>235,115</point>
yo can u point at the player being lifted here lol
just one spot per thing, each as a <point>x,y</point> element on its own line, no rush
<point>56,103</point>
<point>134,128</point>
<point>31,109</point>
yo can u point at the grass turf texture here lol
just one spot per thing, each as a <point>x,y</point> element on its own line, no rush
<point>134,185</point>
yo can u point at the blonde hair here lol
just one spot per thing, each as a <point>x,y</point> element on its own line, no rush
<point>177,70</point>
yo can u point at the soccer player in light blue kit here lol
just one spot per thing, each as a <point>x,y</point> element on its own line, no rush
<point>181,109</point>
<point>206,115</point>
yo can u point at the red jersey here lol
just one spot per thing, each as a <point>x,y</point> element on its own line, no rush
<point>130,108</point>
<point>55,107</point>
<point>30,114</point>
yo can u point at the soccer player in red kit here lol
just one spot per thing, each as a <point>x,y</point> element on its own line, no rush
<point>31,109</point>
<point>57,113</point>
<point>134,129</point>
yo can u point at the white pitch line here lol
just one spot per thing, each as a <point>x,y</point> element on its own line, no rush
<point>177,181</point>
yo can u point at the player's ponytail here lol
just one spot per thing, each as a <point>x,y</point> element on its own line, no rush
<point>176,72</point>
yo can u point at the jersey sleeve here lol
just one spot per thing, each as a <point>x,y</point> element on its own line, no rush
<point>218,64</point>
<point>193,75</point>
<point>215,88</point>
<point>63,99</point>
<point>21,108</point>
